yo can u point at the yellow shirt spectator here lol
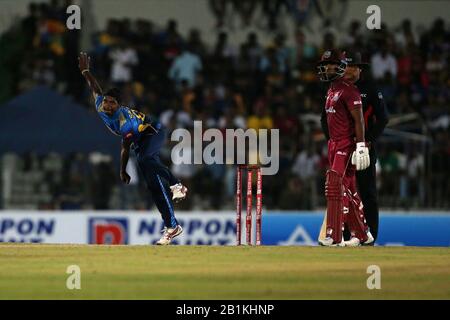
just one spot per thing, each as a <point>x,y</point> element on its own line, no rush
<point>255,122</point>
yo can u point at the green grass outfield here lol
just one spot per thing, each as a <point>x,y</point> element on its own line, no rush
<point>213,272</point>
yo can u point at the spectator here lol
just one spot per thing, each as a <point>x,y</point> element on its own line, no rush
<point>195,43</point>
<point>271,9</point>
<point>124,58</point>
<point>272,62</point>
<point>245,9</point>
<point>328,42</point>
<point>404,65</point>
<point>416,167</point>
<point>223,50</point>
<point>353,35</point>
<point>286,123</point>
<point>103,180</point>
<point>220,10</point>
<point>43,71</point>
<point>306,164</point>
<point>304,52</point>
<point>253,49</point>
<point>405,37</point>
<point>383,63</point>
<point>170,41</point>
<point>185,67</point>
<point>282,52</point>
<point>29,24</point>
<point>261,118</point>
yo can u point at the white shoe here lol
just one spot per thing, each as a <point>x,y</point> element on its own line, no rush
<point>179,192</point>
<point>355,242</point>
<point>329,242</point>
<point>369,240</point>
<point>169,234</point>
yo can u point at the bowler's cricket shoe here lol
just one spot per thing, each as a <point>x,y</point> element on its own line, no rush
<point>168,235</point>
<point>355,242</point>
<point>179,192</point>
<point>329,242</point>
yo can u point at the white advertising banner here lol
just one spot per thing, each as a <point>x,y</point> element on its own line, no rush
<point>55,227</point>
<point>113,227</point>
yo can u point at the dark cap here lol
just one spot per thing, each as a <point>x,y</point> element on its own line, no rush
<point>332,56</point>
<point>353,58</point>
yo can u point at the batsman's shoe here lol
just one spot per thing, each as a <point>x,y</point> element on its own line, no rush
<point>168,235</point>
<point>179,192</point>
<point>329,242</point>
<point>355,242</point>
<point>369,241</point>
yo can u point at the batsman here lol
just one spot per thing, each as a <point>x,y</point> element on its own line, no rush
<point>347,152</point>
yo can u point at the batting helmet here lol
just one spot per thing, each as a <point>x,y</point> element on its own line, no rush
<point>331,57</point>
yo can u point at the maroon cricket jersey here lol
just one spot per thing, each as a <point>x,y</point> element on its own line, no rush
<point>342,97</point>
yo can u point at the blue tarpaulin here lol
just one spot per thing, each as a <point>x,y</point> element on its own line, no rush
<point>42,120</point>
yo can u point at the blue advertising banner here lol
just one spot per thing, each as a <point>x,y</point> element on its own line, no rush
<point>395,229</point>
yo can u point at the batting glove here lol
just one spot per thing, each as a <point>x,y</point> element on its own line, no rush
<point>360,157</point>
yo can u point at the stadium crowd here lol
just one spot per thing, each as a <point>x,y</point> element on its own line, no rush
<point>252,85</point>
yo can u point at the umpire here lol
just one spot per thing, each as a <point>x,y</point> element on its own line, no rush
<point>375,119</point>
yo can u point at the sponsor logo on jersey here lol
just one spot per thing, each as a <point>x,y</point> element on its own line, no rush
<point>336,96</point>
<point>122,120</point>
<point>330,110</point>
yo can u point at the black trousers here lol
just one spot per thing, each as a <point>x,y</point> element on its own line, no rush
<point>367,188</point>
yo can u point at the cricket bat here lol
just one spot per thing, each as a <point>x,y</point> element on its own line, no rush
<point>323,229</point>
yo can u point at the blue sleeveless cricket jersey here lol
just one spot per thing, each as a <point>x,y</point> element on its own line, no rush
<point>131,124</point>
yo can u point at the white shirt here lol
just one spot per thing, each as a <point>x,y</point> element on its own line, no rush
<point>122,62</point>
<point>416,164</point>
<point>183,170</point>
<point>305,166</point>
<point>132,172</point>
<point>380,65</point>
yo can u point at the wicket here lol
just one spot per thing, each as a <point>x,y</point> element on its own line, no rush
<point>248,218</point>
